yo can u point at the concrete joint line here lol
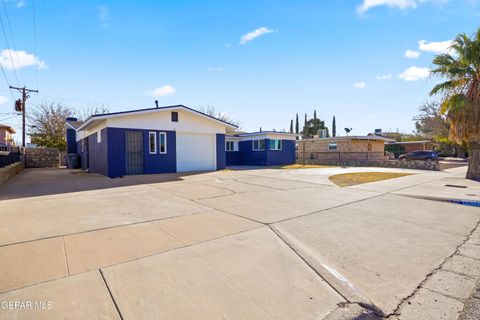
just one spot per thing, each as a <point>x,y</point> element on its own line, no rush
<point>111,295</point>
<point>65,255</point>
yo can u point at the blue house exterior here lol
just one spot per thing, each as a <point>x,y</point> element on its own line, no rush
<point>260,149</point>
<point>148,141</point>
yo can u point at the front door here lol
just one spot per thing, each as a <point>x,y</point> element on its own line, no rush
<point>133,152</point>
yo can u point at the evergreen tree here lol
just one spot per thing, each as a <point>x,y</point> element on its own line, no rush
<point>297,126</point>
<point>315,114</point>
<point>291,126</point>
<point>334,127</point>
<point>305,125</point>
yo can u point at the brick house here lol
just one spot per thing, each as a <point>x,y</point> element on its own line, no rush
<point>410,146</point>
<point>369,148</point>
<point>6,135</point>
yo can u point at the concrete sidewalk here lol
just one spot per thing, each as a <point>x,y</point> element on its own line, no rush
<point>249,244</point>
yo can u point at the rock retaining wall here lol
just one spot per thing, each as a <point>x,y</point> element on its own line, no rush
<point>42,157</point>
<point>419,165</point>
<point>10,171</point>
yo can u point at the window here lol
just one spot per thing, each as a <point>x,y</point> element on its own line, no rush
<point>275,144</point>
<point>174,116</point>
<point>152,142</point>
<point>258,145</point>
<point>230,146</point>
<point>99,137</point>
<point>332,146</point>
<point>163,142</point>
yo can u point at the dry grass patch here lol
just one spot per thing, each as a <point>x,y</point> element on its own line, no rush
<point>354,178</point>
<point>299,166</point>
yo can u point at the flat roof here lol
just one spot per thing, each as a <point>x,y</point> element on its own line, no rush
<point>147,110</point>
<point>259,133</point>
<point>410,142</point>
<point>366,138</point>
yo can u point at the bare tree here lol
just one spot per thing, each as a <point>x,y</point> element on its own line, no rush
<point>84,114</point>
<point>47,125</point>
<point>220,115</point>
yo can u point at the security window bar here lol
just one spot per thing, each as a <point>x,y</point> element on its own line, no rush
<point>163,142</point>
<point>275,144</point>
<point>152,142</point>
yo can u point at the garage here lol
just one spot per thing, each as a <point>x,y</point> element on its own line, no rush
<point>196,152</point>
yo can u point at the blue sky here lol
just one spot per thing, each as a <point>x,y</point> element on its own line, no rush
<point>342,58</point>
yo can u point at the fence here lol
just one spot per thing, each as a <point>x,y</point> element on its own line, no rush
<point>9,157</point>
<point>342,156</point>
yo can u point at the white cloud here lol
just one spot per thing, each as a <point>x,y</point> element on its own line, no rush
<point>103,15</point>
<point>21,59</point>
<point>400,4</point>
<point>435,47</point>
<point>412,54</point>
<point>360,85</point>
<point>414,74</point>
<point>162,91</point>
<point>20,4</point>
<point>255,34</point>
<point>3,99</point>
<point>384,77</point>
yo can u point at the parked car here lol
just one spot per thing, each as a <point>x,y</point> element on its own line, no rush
<point>426,155</point>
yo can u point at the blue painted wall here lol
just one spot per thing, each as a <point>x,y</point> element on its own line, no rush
<point>233,158</point>
<point>83,154</point>
<point>249,157</point>
<point>221,157</point>
<point>153,163</point>
<point>98,153</point>
<point>246,155</point>
<point>71,141</point>
<point>160,163</point>
<point>281,157</point>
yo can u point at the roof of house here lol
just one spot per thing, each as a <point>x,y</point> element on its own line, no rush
<point>149,110</point>
<point>258,133</point>
<point>410,142</point>
<point>8,128</point>
<point>74,124</point>
<point>366,138</point>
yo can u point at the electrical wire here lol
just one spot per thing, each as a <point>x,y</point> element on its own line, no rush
<point>9,50</point>
<point>35,39</point>
<point>9,25</point>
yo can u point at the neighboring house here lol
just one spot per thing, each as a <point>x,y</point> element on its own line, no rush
<point>410,146</point>
<point>260,148</point>
<point>369,148</point>
<point>6,135</point>
<point>154,140</point>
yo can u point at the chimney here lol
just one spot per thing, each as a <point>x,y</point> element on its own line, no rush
<point>156,103</point>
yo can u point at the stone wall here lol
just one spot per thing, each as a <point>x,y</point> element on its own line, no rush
<point>42,157</point>
<point>419,165</point>
<point>343,145</point>
<point>10,171</point>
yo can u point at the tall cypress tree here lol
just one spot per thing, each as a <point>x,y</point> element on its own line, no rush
<point>315,114</point>
<point>334,127</point>
<point>297,125</point>
<point>291,126</point>
<point>305,126</point>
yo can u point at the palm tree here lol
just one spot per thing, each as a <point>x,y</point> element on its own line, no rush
<point>460,95</point>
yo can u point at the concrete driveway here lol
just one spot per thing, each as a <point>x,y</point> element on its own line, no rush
<point>246,244</point>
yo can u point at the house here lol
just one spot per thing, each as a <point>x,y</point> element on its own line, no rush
<point>260,148</point>
<point>368,148</point>
<point>6,135</point>
<point>155,140</point>
<point>410,146</point>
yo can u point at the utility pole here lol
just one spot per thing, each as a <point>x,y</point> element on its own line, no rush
<point>24,91</point>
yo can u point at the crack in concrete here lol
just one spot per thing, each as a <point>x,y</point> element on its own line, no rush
<point>396,311</point>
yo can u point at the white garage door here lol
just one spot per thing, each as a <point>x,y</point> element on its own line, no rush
<point>196,152</point>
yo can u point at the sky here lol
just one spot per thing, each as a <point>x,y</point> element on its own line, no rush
<point>262,62</point>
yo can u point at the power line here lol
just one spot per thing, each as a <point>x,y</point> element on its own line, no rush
<point>6,79</point>
<point>9,50</point>
<point>11,35</point>
<point>35,39</point>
